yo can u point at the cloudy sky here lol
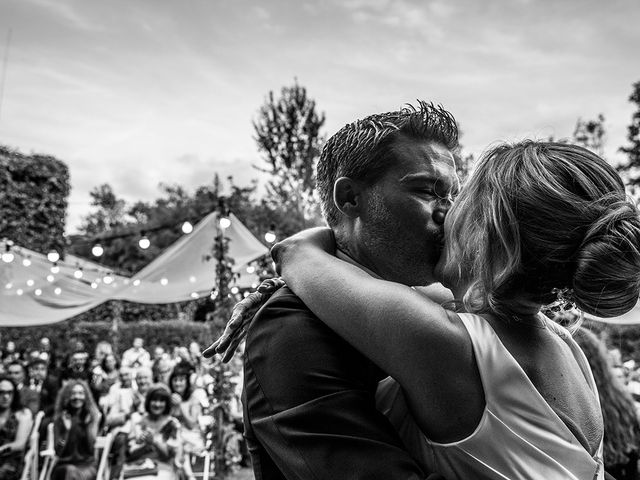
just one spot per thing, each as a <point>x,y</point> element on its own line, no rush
<point>138,92</point>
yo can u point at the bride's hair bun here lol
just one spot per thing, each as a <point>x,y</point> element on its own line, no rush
<point>606,282</point>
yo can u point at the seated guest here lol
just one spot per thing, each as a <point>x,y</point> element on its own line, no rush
<point>44,384</point>
<point>143,381</point>
<point>118,403</point>
<point>156,434</point>
<point>105,375</point>
<point>136,356</point>
<point>28,398</point>
<point>15,425</point>
<point>75,425</point>
<point>77,367</point>
<point>621,426</point>
<point>186,405</point>
<point>162,369</point>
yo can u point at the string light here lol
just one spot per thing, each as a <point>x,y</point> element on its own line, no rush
<point>270,236</point>
<point>94,285</point>
<point>97,250</point>
<point>7,255</point>
<point>108,279</point>
<point>55,268</point>
<point>163,282</point>
<point>144,242</point>
<point>38,292</point>
<point>57,291</point>
<point>78,273</point>
<point>50,278</point>
<point>214,294</point>
<point>225,222</point>
<point>235,290</point>
<point>19,291</point>
<point>53,256</point>
<point>251,269</point>
<point>8,286</point>
<point>30,283</point>
<point>192,279</point>
<point>26,261</point>
<point>187,228</point>
<point>195,295</point>
<point>136,282</point>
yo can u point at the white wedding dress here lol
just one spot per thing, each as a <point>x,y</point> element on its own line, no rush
<point>519,436</point>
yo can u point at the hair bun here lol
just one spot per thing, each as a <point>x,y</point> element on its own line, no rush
<point>606,282</point>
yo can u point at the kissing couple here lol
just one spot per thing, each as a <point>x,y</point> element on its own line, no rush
<point>353,371</point>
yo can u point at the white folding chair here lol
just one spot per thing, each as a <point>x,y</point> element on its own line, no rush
<point>48,455</point>
<point>102,447</point>
<point>30,471</point>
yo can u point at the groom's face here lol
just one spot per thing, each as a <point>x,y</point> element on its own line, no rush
<point>400,231</point>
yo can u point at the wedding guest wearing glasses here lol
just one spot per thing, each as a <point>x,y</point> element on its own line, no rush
<point>15,425</point>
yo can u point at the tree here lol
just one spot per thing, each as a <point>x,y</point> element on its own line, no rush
<point>630,171</point>
<point>33,200</point>
<point>288,135</point>
<point>591,134</point>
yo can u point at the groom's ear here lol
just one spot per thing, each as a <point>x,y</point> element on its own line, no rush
<point>347,196</point>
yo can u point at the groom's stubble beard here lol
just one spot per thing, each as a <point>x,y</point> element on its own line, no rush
<point>394,249</point>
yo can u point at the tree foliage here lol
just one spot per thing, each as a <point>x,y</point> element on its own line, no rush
<point>591,134</point>
<point>287,132</point>
<point>33,200</point>
<point>630,170</point>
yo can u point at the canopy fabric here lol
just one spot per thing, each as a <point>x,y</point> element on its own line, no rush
<point>182,272</point>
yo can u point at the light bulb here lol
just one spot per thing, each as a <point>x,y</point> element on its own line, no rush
<point>270,236</point>
<point>19,291</point>
<point>235,290</point>
<point>57,291</point>
<point>194,295</point>
<point>50,278</point>
<point>187,227</point>
<point>8,256</point>
<point>94,285</point>
<point>108,279</point>
<point>55,268</point>
<point>97,250</point>
<point>144,242</point>
<point>251,269</point>
<point>26,261</point>
<point>136,282</point>
<point>53,256</point>
<point>225,222</point>
<point>163,281</point>
<point>78,273</point>
<point>8,285</point>
<point>38,292</point>
<point>30,283</point>
<point>192,279</point>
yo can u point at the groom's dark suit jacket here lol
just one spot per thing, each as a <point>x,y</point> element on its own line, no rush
<point>309,402</point>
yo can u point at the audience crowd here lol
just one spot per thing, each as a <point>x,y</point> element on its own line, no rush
<point>158,405</point>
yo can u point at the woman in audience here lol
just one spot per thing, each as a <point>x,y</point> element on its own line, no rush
<point>621,427</point>
<point>75,424</point>
<point>15,425</point>
<point>105,375</point>
<point>156,434</point>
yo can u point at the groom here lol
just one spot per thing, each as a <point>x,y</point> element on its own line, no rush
<point>385,185</point>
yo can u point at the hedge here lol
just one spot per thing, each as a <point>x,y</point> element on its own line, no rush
<point>64,334</point>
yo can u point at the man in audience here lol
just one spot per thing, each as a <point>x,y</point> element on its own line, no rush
<point>45,385</point>
<point>136,356</point>
<point>28,398</point>
<point>118,403</point>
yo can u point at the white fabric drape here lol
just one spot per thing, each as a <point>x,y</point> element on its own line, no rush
<point>182,272</point>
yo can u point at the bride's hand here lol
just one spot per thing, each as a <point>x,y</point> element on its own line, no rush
<point>319,237</point>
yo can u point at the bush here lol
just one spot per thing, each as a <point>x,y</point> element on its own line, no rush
<point>64,334</point>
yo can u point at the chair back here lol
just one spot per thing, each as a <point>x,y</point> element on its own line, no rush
<point>30,470</point>
<point>102,447</point>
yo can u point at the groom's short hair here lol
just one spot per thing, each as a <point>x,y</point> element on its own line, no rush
<point>362,150</point>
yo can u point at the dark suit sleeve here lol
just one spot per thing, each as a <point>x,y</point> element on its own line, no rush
<point>309,402</point>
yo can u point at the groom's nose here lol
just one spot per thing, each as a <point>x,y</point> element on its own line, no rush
<point>440,212</point>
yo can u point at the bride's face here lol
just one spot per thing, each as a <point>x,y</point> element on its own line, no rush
<point>449,271</point>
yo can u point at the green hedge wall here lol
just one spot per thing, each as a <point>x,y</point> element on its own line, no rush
<point>62,335</point>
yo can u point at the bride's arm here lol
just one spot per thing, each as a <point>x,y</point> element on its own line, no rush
<point>396,327</point>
